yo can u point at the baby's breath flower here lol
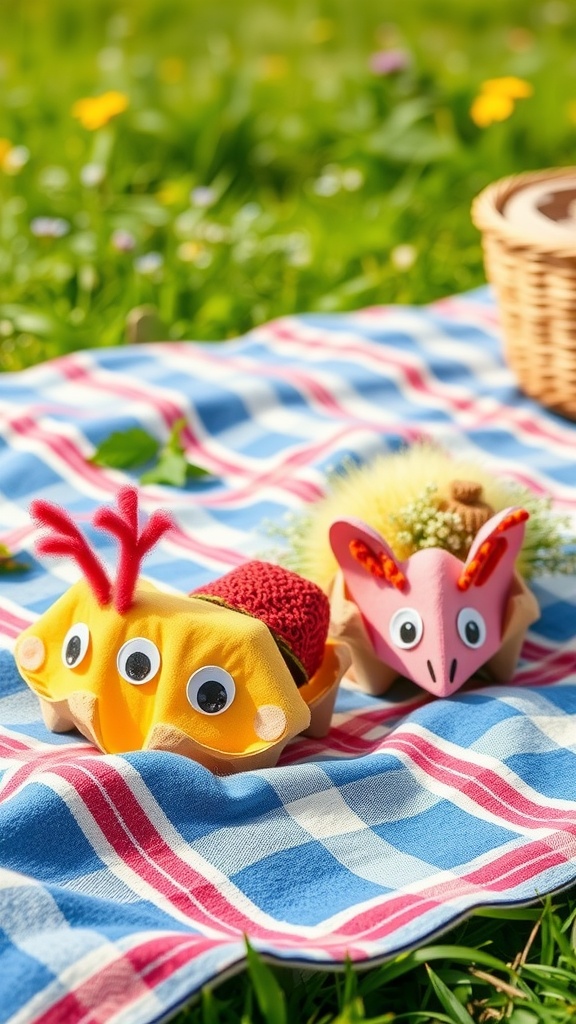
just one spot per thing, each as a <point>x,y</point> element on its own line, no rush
<point>426,521</point>
<point>424,524</point>
<point>404,537</point>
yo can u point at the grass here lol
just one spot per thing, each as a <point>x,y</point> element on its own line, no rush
<point>264,166</point>
<point>515,964</point>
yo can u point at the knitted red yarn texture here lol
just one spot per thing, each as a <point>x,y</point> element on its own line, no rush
<point>293,608</point>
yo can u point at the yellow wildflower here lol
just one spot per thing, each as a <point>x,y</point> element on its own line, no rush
<point>96,111</point>
<point>495,101</point>
<point>510,86</point>
<point>171,193</point>
<point>490,107</point>
<point>189,251</point>
<point>5,147</point>
<point>12,158</point>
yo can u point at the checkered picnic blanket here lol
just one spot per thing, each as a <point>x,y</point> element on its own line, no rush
<point>126,882</point>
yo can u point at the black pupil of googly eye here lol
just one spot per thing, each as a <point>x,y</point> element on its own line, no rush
<point>472,632</point>
<point>407,632</point>
<point>212,697</point>
<point>73,648</point>
<point>138,665</point>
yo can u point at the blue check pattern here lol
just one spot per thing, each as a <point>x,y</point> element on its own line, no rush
<point>127,882</point>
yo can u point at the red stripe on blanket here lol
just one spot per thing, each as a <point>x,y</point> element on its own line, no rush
<point>171,412</point>
<point>481,784</point>
<point>499,875</point>
<point>129,978</point>
<point>130,831</point>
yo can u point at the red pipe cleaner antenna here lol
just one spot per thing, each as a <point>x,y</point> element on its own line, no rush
<point>123,524</point>
<point>378,565</point>
<point>479,569</point>
<point>66,539</point>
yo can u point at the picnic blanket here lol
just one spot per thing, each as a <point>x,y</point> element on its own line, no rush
<point>127,882</point>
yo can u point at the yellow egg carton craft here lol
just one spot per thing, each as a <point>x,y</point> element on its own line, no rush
<point>226,675</point>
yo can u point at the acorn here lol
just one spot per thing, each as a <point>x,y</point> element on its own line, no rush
<point>466,498</point>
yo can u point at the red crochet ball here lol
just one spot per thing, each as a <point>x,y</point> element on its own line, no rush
<point>295,610</point>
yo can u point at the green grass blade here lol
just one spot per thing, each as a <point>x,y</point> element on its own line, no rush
<point>269,995</point>
<point>456,1012</point>
<point>462,954</point>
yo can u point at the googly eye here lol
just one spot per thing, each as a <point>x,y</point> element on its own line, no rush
<point>471,627</point>
<point>75,645</point>
<point>138,661</point>
<point>210,690</point>
<point>406,628</point>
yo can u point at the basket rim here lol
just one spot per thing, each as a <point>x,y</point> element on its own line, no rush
<point>487,213</point>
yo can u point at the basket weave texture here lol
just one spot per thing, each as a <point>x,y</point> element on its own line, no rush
<point>534,278</point>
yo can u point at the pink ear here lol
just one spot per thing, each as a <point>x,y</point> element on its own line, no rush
<point>501,536</point>
<point>359,549</point>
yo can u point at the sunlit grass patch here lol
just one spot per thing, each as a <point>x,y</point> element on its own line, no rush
<point>507,964</point>
<point>231,163</point>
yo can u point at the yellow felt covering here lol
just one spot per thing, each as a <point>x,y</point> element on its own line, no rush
<point>189,633</point>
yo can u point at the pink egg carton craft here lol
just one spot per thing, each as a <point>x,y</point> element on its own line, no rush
<point>432,618</point>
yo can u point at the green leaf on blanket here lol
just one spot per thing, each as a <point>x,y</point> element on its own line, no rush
<point>126,449</point>
<point>170,469</point>
<point>269,995</point>
<point>173,467</point>
<point>8,563</point>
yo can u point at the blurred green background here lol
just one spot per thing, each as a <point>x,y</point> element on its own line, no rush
<point>273,157</point>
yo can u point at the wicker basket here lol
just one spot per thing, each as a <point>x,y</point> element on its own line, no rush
<point>530,259</point>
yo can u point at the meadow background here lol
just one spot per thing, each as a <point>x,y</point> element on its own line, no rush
<point>273,157</point>
<point>255,159</point>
